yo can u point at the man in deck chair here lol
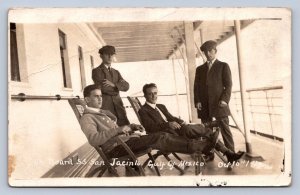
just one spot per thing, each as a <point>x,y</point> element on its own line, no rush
<point>156,118</point>
<point>100,128</point>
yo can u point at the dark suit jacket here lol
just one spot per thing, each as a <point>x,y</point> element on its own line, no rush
<point>212,88</point>
<point>110,95</point>
<point>152,120</point>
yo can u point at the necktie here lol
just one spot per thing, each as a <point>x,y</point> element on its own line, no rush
<point>209,64</point>
<point>109,70</point>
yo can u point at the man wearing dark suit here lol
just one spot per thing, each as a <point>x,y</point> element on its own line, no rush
<point>111,83</point>
<point>212,90</point>
<point>156,118</point>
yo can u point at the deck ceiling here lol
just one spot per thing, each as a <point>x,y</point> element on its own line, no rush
<point>150,41</point>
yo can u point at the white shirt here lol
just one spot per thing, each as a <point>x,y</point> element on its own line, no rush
<point>108,67</point>
<point>155,107</point>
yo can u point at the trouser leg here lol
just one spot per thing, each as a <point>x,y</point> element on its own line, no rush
<point>194,131</point>
<point>226,132</point>
<point>164,142</point>
<point>221,147</point>
<point>169,143</point>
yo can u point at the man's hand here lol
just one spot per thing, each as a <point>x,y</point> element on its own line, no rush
<point>222,103</point>
<point>126,129</point>
<point>198,105</point>
<point>108,83</point>
<point>136,127</point>
<point>174,125</point>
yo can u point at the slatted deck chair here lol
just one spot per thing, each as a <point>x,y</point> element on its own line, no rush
<point>78,108</point>
<point>198,157</point>
<point>136,105</point>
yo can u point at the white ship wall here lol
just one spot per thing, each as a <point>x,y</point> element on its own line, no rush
<point>44,131</point>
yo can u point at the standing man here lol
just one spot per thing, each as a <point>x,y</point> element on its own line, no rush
<point>212,90</point>
<point>111,83</point>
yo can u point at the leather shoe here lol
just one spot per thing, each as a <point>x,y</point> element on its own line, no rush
<point>233,157</point>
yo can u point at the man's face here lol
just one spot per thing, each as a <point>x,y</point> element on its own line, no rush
<point>211,54</point>
<point>95,99</point>
<point>107,58</point>
<point>151,95</point>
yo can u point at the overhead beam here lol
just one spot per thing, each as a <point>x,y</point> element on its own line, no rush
<point>139,59</point>
<point>141,46</point>
<point>142,53</point>
<point>137,31</point>
<point>150,36</point>
<point>140,41</point>
<point>148,43</point>
<point>118,24</point>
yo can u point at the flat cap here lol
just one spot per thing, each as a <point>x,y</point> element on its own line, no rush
<point>107,49</point>
<point>208,45</point>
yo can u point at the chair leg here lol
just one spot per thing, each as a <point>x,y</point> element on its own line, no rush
<point>155,156</point>
<point>220,155</point>
<point>113,171</point>
<point>176,166</point>
<point>91,173</point>
<point>102,172</point>
<point>131,171</point>
<point>199,159</point>
<point>176,156</point>
<point>153,161</point>
<point>197,167</point>
<point>181,160</point>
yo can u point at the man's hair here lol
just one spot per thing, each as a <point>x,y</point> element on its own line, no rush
<point>147,86</point>
<point>87,90</point>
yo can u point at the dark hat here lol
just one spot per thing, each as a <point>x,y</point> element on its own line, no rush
<point>107,49</point>
<point>208,45</point>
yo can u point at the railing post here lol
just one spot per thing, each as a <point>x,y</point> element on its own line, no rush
<point>243,92</point>
<point>176,92</point>
<point>242,87</point>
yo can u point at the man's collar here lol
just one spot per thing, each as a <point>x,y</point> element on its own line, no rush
<point>99,111</point>
<point>107,66</point>
<point>93,109</point>
<point>213,61</point>
<point>152,105</point>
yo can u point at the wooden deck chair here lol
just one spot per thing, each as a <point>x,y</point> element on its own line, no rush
<point>198,157</point>
<point>78,106</point>
<point>136,105</point>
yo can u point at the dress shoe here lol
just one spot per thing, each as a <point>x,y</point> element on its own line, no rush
<point>233,157</point>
